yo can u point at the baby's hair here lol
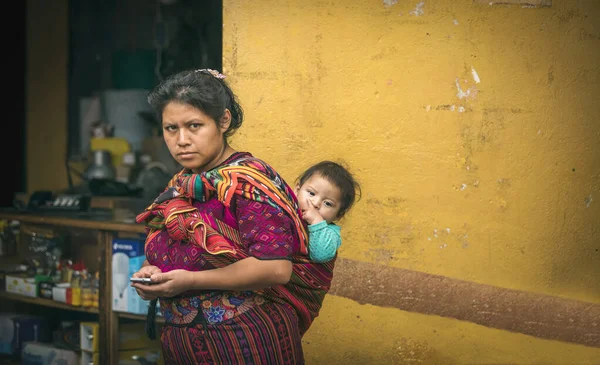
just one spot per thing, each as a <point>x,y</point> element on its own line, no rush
<point>339,176</point>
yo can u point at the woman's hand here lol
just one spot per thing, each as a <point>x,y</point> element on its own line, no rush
<point>145,272</point>
<point>247,274</point>
<point>166,285</point>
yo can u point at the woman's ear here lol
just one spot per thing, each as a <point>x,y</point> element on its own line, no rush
<point>225,121</point>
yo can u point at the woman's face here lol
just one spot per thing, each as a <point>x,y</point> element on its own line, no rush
<point>194,139</point>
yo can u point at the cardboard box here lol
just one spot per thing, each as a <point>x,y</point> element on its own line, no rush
<point>62,292</point>
<point>135,304</point>
<point>22,285</point>
<point>127,258</point>
<point>89,335</point>
<point>11,270</point>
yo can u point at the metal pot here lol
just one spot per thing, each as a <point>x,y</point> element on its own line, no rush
<point>101,166</point>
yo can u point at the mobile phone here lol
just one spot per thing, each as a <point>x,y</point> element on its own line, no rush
<point>141,280</point>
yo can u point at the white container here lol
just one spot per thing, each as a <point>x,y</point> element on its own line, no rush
<point>121,108</point>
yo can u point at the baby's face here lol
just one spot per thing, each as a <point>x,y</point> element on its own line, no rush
<point>320,194</point>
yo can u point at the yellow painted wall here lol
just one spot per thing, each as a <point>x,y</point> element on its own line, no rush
<point>506,192</point>
<point>349,333</point>
<point>496,181</point>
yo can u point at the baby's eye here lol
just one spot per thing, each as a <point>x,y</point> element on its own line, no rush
<point>329,204</point>
<point>311,193</point>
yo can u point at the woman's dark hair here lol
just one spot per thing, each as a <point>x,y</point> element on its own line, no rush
<point>200,89</point>
<point>339,176</point>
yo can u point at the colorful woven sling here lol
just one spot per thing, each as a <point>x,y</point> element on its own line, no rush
<point>255,180</point>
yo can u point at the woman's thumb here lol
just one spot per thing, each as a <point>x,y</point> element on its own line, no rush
<point>158,277</point>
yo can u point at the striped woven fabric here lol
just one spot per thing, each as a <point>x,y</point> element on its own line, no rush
<point>266,335</point>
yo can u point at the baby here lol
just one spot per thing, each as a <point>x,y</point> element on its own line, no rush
<point>326,192</point>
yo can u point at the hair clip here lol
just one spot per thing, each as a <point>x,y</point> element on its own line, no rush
<point>216,74</point>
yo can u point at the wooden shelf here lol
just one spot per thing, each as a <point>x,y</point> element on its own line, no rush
<point>141,317</point>
<point>73,222</point>
<point>107,202</point>
<point>46,302</point>
<point>106,225</point>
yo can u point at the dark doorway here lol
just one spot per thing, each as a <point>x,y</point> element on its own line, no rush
<point>13,127</point>
<point>132,44</point>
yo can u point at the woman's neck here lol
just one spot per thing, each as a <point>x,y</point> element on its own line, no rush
<point>225,153</point>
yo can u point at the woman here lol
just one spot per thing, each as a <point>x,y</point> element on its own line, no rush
<point>226,248</point>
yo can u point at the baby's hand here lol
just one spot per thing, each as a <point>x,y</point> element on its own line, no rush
<point>310,214</point>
